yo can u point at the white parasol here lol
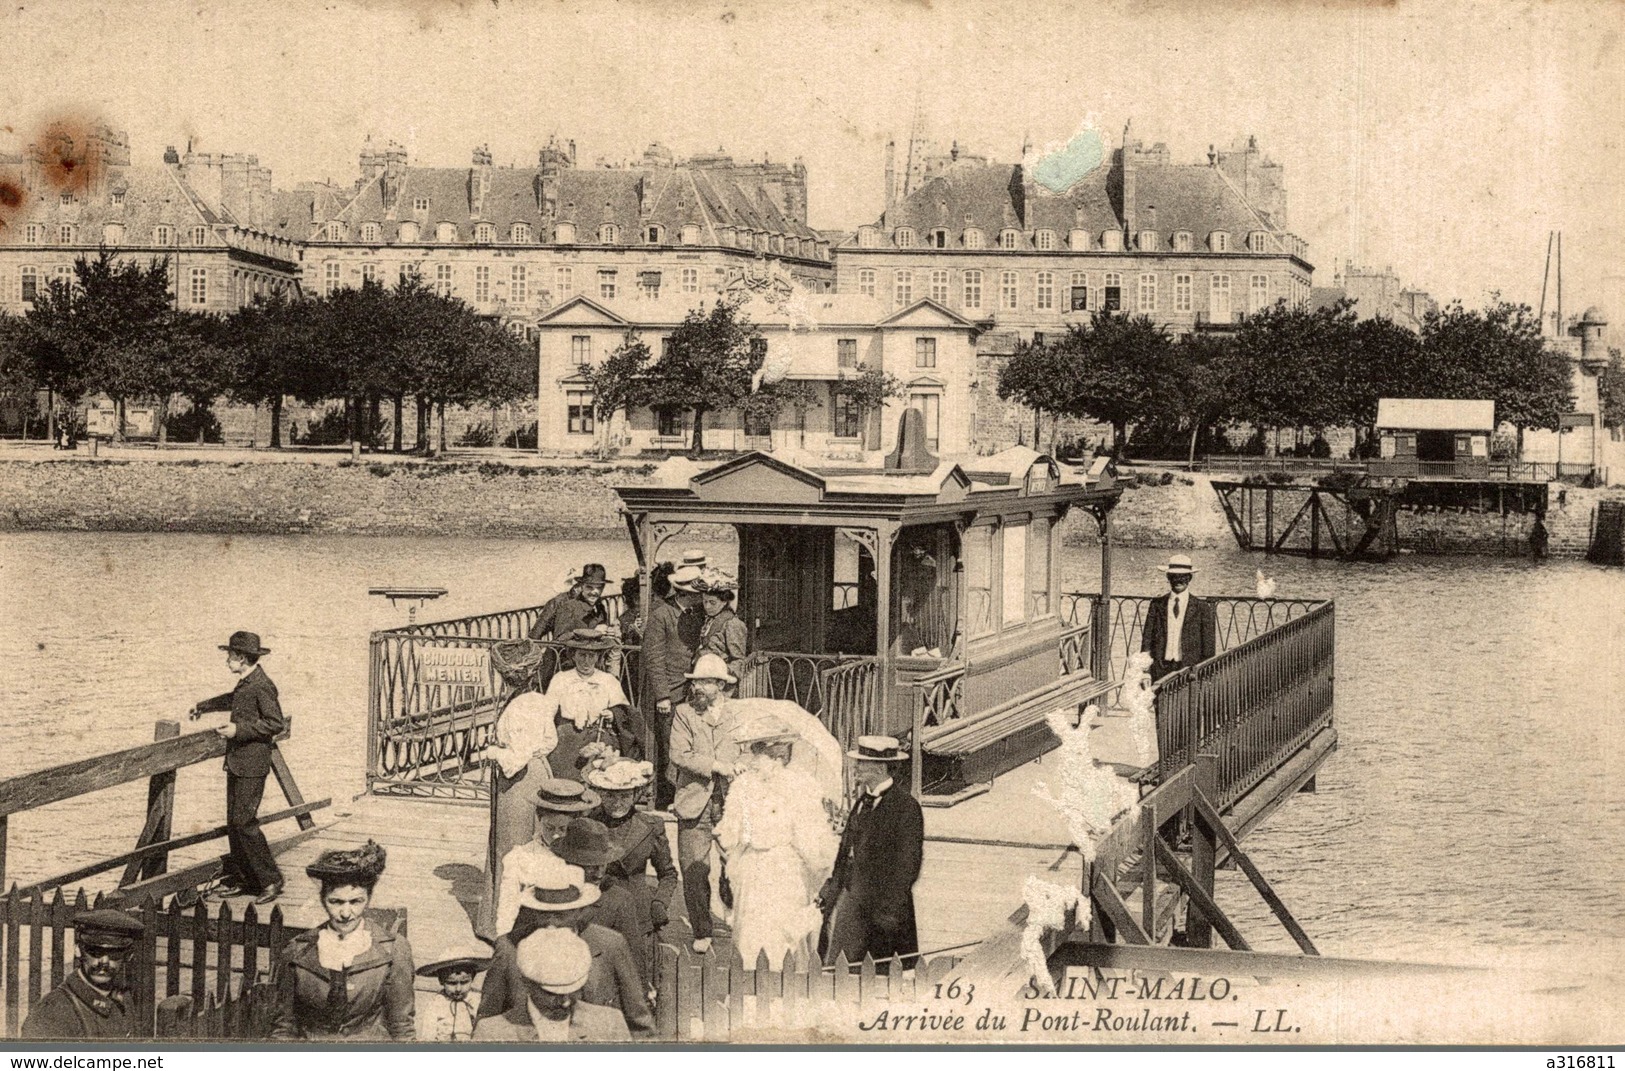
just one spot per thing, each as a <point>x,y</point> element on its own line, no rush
<point>816,753</point>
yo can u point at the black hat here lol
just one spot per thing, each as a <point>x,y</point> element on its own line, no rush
<point>593,574</point>
<point>106,928</point>
<point>586,843</point>
<point>358,866</point>
<point>588,639</point>
<point>245,643</point>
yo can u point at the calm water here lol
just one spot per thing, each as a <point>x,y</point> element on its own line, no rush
<point>1474,808</point>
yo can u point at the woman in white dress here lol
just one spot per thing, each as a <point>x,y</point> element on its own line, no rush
<point>525,738</point>
<point>776,835</point>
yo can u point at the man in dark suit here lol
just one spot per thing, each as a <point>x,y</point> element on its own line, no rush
<point>256,721</point>
<point>90,1004</point>
<point>1180,629</point>
<point>870,894</point>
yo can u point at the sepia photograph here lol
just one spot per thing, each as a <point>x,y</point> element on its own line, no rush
<point>736,523</point>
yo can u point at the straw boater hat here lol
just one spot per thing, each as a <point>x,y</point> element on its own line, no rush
<point>1179,563</point>
<point>586,843</point>
<point>711,667</point>
<point>106,929</point>
<point>696,558</point>
<point>687,578</point>
<point>878,749</point>
<point>622,775</point>
<point>457,959</point>
<point>356,866</point>
<point>560,888</point>
<point>555,959</point>
<point>245,643</point>
<point>767,729</point>
<point>564,797</point>
<point>588,639</point>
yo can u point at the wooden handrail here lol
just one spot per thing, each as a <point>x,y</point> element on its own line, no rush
<point>70,779</point>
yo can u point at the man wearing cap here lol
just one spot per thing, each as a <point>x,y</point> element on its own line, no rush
<point>256,722</point>
<point>870,895</point>
<point>1179,628</point>
<point>89,1003</point>
<point>562,899</point>
<point>554,965</point>
<point>448,1013</point>
<point>706,755</point>
<point>671,637</point>
<point>557,802</point>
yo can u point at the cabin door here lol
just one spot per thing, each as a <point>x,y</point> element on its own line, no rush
<point>781,569</point>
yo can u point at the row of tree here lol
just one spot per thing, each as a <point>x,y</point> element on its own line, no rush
<point>113,330</point>
<point>1290,368</point>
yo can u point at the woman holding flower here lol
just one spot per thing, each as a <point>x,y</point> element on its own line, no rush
<point>588,705</point>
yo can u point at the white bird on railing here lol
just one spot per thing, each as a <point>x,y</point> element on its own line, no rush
<point>1265,584</point>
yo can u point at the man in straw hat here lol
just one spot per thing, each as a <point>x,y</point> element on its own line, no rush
<point>1180,629</point>
<point>563,899</point>
<point>448,1013</point>
<point>557,801</point>
<point>671,637</point>
<point>256,721</point>
<point>705,756</point>
<point>90,1003</point>
<point>555,965</point>
<point>870,895</point>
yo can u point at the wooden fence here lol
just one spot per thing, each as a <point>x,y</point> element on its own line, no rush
<point>706,998</point>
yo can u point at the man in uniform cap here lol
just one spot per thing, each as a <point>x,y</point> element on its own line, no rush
<point>671,638</point>
<point>256,722</point>
<point>88,1004</point>
<point>1179,627</point>
<point>555,964</point>
<point>870,895</point>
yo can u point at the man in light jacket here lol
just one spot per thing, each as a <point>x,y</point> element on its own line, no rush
<point>705,756</point>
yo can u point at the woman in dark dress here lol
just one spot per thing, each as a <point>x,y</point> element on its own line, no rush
<point>640,839</point>
<point>351,977</point>
<point>723,634</point>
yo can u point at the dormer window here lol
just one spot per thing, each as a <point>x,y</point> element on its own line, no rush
<point>904,237</point>
<point>113,234</point>
<point>609,234</point>
<point>565,234</point>
<point>1258,242</point>
<point>1182,241</point>
<point>778,243</point>
<point>64,234</point>
<point>1078,240</point>
<point>792,247</point>
<point>727,236</point>
<point>868,238</point>
<point>938,239</point>
<point>763,242</point>
<point>35,234</point>
<point>445,232</point>
<point>973,239</point>
<point>1044,240</point>
<point>485,233</point>
<point>67,199</point>
<point>420,204</point>
<point>118,198</point>
<point>407,232</point>
<point>690,234</point>
<point>519,234</point>
<point>654,234</point>
<point>1146,241</point>
<point>1009,239</point>
<point>1219,242</point>
<point>371,233</point>
<point>333,232</point>
<point>1112,241</point>
<point>163,234</point>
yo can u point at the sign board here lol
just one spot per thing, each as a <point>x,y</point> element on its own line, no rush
<point>469,666</point>
<point>1578,420</point>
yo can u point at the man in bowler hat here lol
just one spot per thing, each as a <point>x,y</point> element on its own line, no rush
<point>1179,627</point>
<point>256,722</point>
<point>870,894</point>
<point>90,1003</point>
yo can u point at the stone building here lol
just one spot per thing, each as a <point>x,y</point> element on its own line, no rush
<point>209,215</point>
<point>1376,294</point>
<point>807,335</point>
<point>1582,443</point>
<point>515,242</point>
<point>1189,245</point>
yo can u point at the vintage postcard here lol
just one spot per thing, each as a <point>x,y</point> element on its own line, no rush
<point>908,523</point>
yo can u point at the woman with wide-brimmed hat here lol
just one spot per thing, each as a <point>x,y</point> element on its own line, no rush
<point>779,846</point>
<point>641,844</point>
<point>723,634</point>
<point>588,704</point>
<point>351,977</point>
<point>556,801</point>
<point>520,759</point>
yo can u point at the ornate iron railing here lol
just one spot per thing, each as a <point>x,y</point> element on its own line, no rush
<point>1074,650</point>
<point>1252,706</point>
<point>939,696</point>
<point>1239,619</point>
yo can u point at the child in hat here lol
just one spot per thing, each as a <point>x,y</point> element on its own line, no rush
<point>448,1013</point>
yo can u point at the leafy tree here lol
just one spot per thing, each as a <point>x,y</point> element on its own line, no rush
<point>1497,352</point>
<point>1039,376</point>
<point>1120,369</point>
<point>19,379</point>
<point>870,390</point>
<point>622,381</point>
<point>1205,385</point>
<point>272,347</point>
<point>1611,391</point>
<point>1291,366</point>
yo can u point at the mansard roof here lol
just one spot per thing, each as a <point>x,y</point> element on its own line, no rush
<point>152,196</point>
